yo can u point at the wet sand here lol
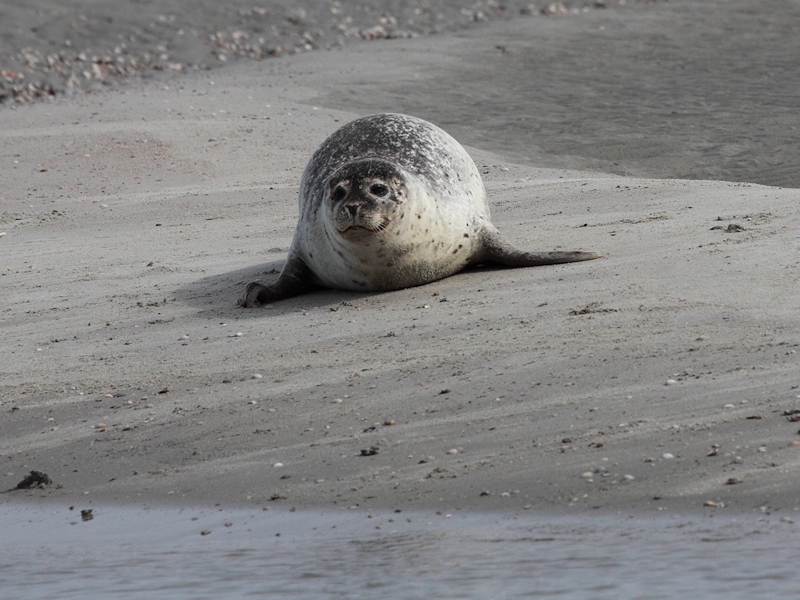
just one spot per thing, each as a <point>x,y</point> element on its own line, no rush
<point>687,90</point>
<point>655,378</point>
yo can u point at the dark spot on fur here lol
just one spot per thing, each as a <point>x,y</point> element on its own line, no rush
<point>466,235</point>
<point>419,216</point>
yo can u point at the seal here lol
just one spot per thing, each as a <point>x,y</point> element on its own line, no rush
<point>387,202</point>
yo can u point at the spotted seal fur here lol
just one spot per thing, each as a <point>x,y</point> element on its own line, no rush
<point>387,202</point>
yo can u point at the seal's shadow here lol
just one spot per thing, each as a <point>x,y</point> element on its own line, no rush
<point>217,295</point>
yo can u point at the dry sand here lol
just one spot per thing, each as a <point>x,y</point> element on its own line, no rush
<point>656,377</point>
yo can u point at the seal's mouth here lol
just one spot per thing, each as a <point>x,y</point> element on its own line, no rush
<point>362,228</point>
<point>359,214</point>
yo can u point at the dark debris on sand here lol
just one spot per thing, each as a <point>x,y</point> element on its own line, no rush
<point>34,479</point>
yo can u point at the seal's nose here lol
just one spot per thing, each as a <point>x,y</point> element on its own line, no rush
<point>353,208</point>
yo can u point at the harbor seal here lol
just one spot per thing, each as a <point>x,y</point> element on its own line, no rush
<point>387,202</point>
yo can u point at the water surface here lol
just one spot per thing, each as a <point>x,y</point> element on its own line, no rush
<point>130,552</point>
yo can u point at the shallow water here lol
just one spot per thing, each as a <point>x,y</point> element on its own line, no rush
<point>129,552</point>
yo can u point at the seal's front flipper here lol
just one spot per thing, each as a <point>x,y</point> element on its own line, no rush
<point>495,249</point>
<point>294,278</point>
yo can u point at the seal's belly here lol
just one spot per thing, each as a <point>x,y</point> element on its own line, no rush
<point>382,264</point>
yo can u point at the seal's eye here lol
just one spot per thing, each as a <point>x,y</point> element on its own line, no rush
<point>338,193</point>
<point>379,190</point>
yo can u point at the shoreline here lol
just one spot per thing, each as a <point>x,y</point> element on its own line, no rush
<point>48,50</point>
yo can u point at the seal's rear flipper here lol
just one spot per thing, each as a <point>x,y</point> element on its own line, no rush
<point>497,250</point>
<point>294,278</point>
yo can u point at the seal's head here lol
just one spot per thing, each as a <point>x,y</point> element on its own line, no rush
<point>364,197</point>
